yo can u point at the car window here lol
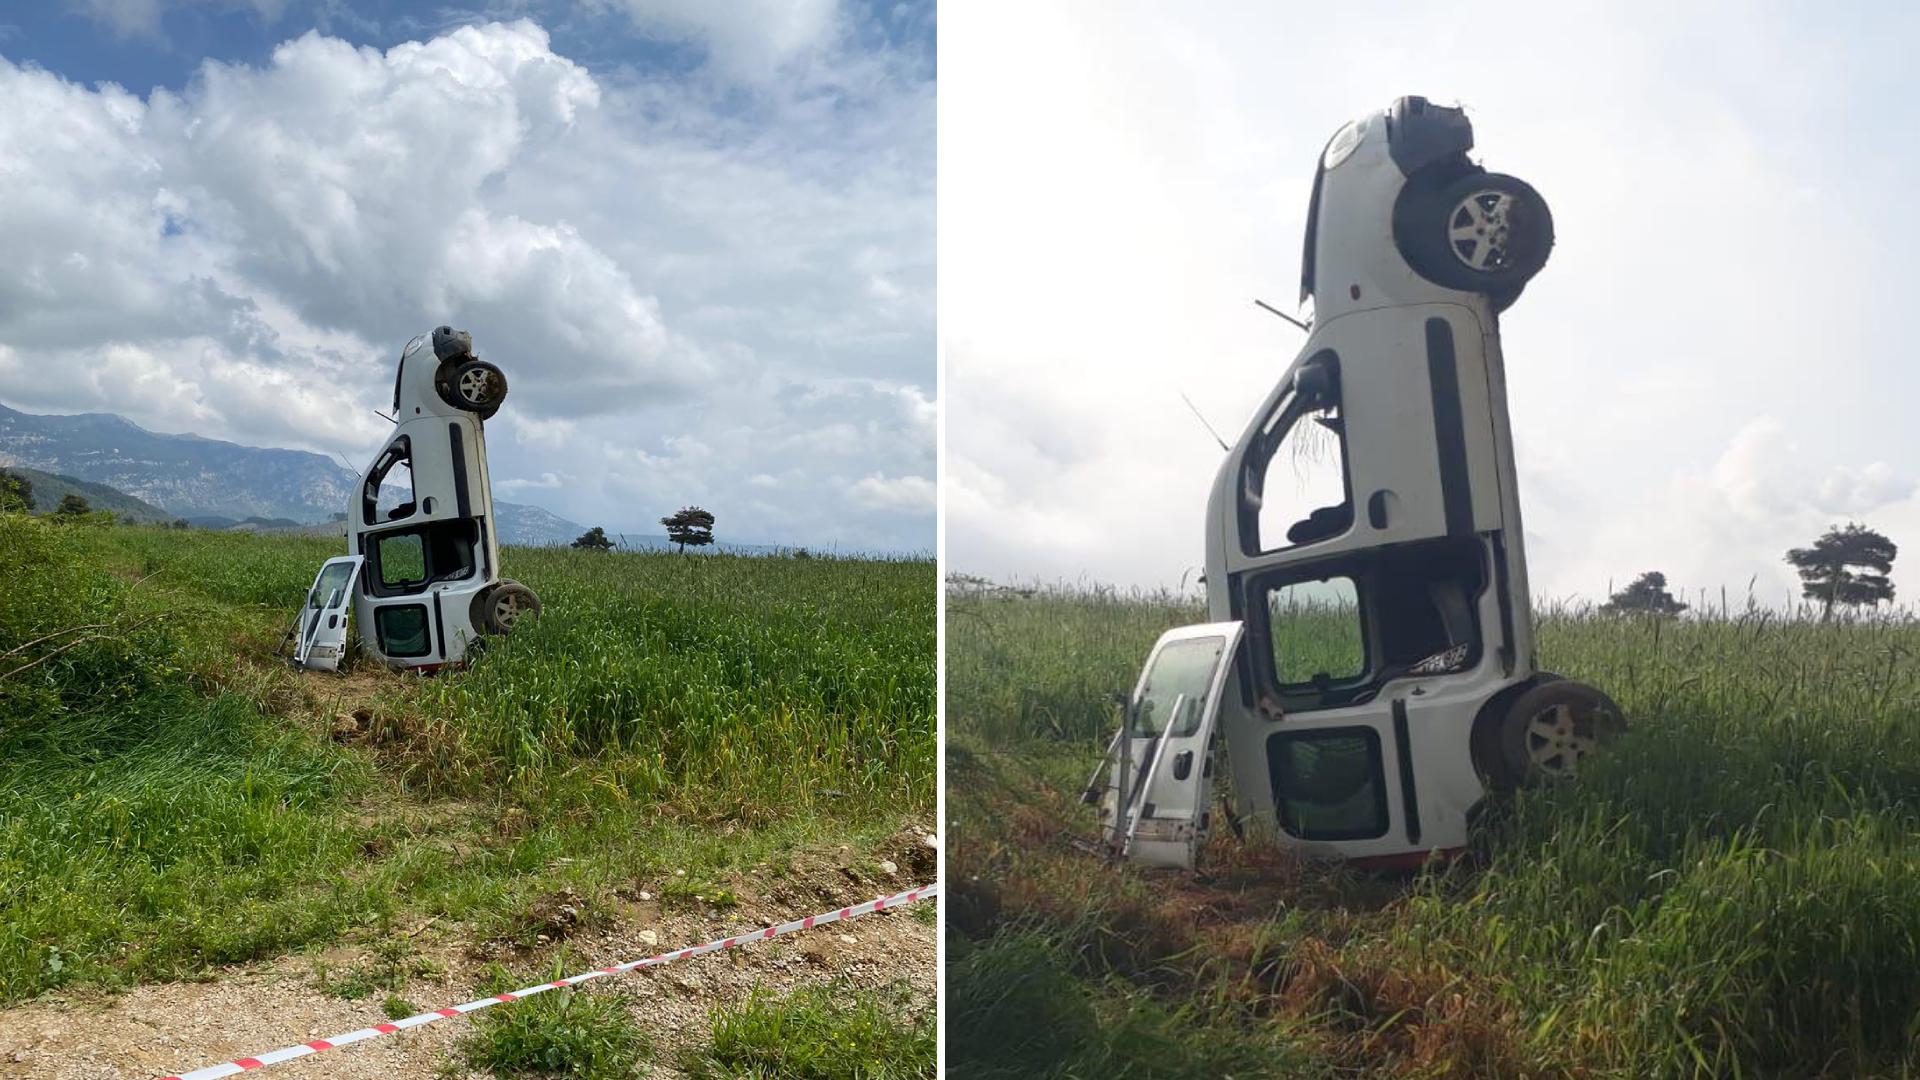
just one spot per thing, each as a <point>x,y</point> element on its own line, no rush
<point>1173,696</point>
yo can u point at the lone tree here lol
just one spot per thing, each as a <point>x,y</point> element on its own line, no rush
<point>594,539</point>
<point>1845,566</point>
<point>690,526</point>
<point>1648,593</point>
<point>73,506</point>
<point>16,492</point>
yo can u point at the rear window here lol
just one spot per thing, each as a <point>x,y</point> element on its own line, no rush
<point>403,630</point>
<point>1329,784</point>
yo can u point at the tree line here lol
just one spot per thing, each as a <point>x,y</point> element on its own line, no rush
<point>1848,566</point>
<point>690,525</point>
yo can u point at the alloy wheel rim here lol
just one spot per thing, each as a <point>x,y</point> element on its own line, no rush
<point>506,610</point>
<point>473,386</point>
<point>1479,231</point>
<point>1558,741</point>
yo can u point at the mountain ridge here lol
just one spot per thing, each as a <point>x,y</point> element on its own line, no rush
<point>192,476</point>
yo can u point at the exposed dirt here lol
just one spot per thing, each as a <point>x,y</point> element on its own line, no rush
<point>166,1029</point>
<point>1357,995</point>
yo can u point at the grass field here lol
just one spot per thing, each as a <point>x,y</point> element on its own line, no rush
<point>173,798</point>
<point>1734,892</point>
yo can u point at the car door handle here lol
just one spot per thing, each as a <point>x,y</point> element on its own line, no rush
<point>1183,765</point>
<point>1382,506</point>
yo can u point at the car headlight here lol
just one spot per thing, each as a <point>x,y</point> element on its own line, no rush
<point>1345,141</point>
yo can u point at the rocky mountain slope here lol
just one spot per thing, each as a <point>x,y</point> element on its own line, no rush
<point>192,477</point>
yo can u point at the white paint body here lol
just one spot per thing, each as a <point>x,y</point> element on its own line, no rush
<point>323,622</point>
<point>424,623</point>
<point>1430,481</point>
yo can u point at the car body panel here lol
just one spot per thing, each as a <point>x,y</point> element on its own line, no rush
<point>1162,762</point>
<point>323,622</point>
<point>425,556</point>
<point>1377,766</point>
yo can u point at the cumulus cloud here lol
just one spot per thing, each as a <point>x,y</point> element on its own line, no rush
<point>681,290</point>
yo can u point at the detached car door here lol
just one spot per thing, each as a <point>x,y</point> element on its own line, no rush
<point>1163,768</point>
<point>323,630</point>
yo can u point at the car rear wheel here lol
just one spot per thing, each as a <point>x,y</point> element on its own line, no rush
<point>506,606</point>
<point>1483,232</point>
<point>1554,729</point>
<point>477,386</point>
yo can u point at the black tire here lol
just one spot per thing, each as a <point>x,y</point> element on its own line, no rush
<point>499,609</point>
<point>1548,731</point>
<point>475,386</point>
<point>1483,232</point>
<point>1485,740</point>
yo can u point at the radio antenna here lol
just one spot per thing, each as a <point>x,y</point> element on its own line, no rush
<point>1203,422</point>
<point>1303,326</point>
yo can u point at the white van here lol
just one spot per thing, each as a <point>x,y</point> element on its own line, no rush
<point>1370,671</point>
<point>423,569</point>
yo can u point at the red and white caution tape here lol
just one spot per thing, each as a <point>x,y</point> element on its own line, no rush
<point>231,1068</point>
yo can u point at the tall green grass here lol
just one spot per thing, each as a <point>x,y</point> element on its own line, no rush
<point>1735,891</point>
<point>151,818</point>
<point>171,796</point>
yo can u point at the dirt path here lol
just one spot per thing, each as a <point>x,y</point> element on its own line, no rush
<point>161,1030</point>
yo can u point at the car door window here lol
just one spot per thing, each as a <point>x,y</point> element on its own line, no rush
<point>401,559</point>
<point>330,590</point>
<point>1295,489</point>
<point>1315,631</point>
<point>1173,696</point>
<point>388,492</point>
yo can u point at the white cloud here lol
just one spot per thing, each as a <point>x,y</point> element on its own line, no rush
<point>745,38</point>
<point>677,281</point>
<point>913,494</point>
<point>547,482</point>
<point>1696,160</point>
<point>1727,522</point>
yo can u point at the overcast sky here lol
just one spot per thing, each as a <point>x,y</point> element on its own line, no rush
<point>699,238</point>
<point>1717,363</point>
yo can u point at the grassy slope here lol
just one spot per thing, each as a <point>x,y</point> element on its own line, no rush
<point>1732,893</point>
<point>170,797</point>
<point>50,488</point>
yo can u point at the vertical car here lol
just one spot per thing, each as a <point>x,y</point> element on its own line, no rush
<point>421,522</point>
<point>1376,672</point>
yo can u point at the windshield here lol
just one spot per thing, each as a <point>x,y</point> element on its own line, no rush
<point>1174,696</point>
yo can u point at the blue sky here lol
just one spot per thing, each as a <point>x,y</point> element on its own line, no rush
<point>698,237</point>
<point>141,44</point>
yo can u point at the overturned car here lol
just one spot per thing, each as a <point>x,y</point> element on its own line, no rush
<point>1370,670</point>
<point>422,573</point>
